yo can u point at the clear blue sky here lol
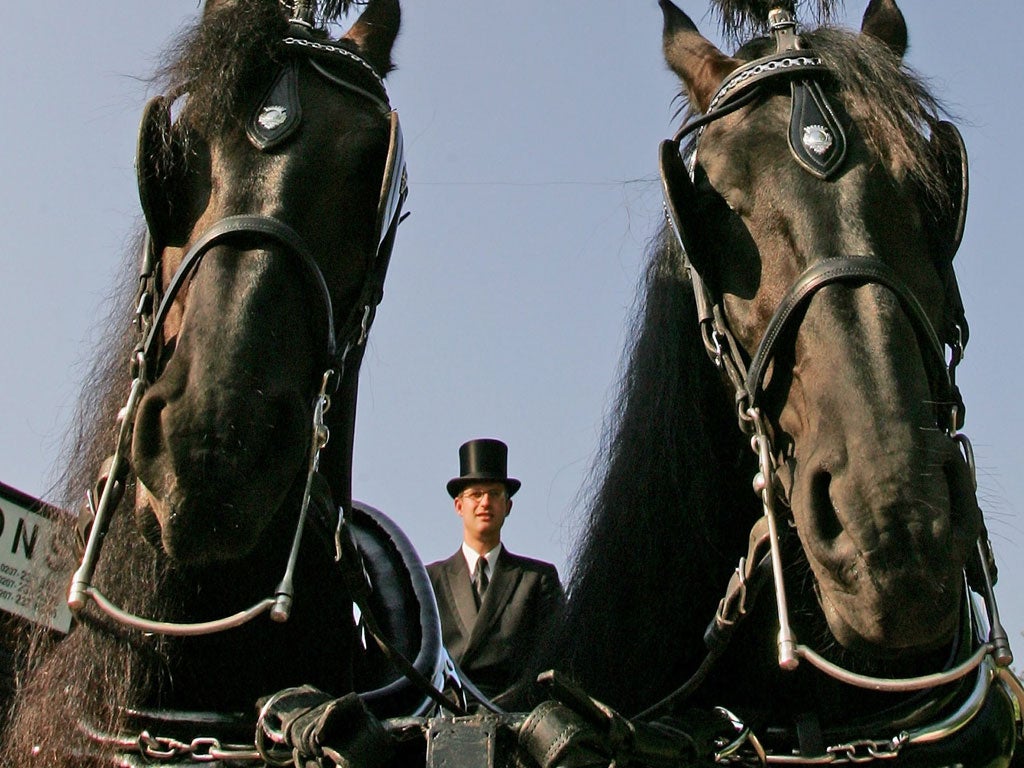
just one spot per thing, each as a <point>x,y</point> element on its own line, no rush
<point>531,132</point>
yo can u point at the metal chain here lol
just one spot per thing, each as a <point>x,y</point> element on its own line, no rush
<point>336,50</point>
<point>852,753</point>
<point>744,748</point>
<point>202,749</point>
<point>739,78</point>
<point>208,749</point>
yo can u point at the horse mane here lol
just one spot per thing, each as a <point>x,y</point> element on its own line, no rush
<point>88,442</point>
<point>665,519</point>
<point>895,109</point>
<point>91,436</point>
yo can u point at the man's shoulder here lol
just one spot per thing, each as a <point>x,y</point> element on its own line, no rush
<point>529,563</point>
<point>439,565</point>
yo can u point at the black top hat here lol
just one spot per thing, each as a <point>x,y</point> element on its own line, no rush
<point>483,460</point>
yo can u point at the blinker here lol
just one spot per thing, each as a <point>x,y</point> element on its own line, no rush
<point>151,161</point>
<point>816,136</point>
<point>279,114</point>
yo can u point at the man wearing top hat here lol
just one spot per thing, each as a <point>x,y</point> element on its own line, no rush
<point>494,605</point>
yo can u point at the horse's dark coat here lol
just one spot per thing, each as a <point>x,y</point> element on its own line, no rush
<point>867,472</point>
<point>223,433</point>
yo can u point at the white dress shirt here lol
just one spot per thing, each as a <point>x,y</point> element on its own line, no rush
<point>472,556</point>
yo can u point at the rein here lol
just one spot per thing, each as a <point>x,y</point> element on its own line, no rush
<point>989,661</point>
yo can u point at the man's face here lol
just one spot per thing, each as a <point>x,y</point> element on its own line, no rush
<point>483,508</point>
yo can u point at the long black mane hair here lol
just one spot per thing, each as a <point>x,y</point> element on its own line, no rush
<point>668,517</point>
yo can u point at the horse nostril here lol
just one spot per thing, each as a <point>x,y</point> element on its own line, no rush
<point>825,517</point>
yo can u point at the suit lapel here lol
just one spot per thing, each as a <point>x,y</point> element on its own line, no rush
<point>457,574</point>
<point>499,590</point>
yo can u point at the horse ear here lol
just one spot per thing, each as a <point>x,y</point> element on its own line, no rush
<point>884,21</point>
<point>375,32</point>
<point>700,65</point>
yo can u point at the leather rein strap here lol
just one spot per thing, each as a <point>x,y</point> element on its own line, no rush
<point>833,270</point>
<point>263,228</point>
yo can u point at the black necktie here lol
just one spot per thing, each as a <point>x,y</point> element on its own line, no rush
<point>480,580</point>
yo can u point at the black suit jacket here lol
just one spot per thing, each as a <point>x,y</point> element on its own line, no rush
<point>523,597</point>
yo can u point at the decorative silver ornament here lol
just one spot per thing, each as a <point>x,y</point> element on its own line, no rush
<point>274,117</point>
<point>817,139</point>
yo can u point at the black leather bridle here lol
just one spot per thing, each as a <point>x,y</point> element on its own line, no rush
<point>359,532</point>
<point>348,71</point>
<point>823,155</point>
<point>810,106</point>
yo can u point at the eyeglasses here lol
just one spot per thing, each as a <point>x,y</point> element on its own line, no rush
<point>477,494</point>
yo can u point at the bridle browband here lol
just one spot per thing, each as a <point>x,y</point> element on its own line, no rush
<point>347,70</point>
<point>802,70</point>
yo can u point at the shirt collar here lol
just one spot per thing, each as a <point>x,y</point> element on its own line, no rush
<point>472,556</point>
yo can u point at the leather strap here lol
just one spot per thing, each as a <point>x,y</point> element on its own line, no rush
<point>314,727</point>
<point>577,731</point>
<point>816,135</point>
<point>833,270</point>
<point>264,227</point>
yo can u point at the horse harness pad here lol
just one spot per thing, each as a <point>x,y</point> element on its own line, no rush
<point>279,115</point>
<point>816,136</point>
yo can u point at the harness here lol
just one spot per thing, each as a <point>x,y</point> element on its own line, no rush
<point>817,142</point>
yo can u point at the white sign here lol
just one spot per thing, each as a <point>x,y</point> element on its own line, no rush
<point>28,588</point>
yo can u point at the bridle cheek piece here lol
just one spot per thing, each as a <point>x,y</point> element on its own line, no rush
<point>817,141</point>
<point>273,123</point>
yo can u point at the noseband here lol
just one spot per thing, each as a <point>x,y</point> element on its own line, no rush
<point>272,125</point>
<point>817,143</point>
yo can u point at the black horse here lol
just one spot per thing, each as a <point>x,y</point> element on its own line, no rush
<point>815,201</point>
<point>272,199</point>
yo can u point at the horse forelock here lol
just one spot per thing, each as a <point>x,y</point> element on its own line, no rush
<point>223,60</point>
<point>741,17</point>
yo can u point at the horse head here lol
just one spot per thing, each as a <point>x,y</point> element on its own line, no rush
<point>817,220</point>
<point>271,202</point>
